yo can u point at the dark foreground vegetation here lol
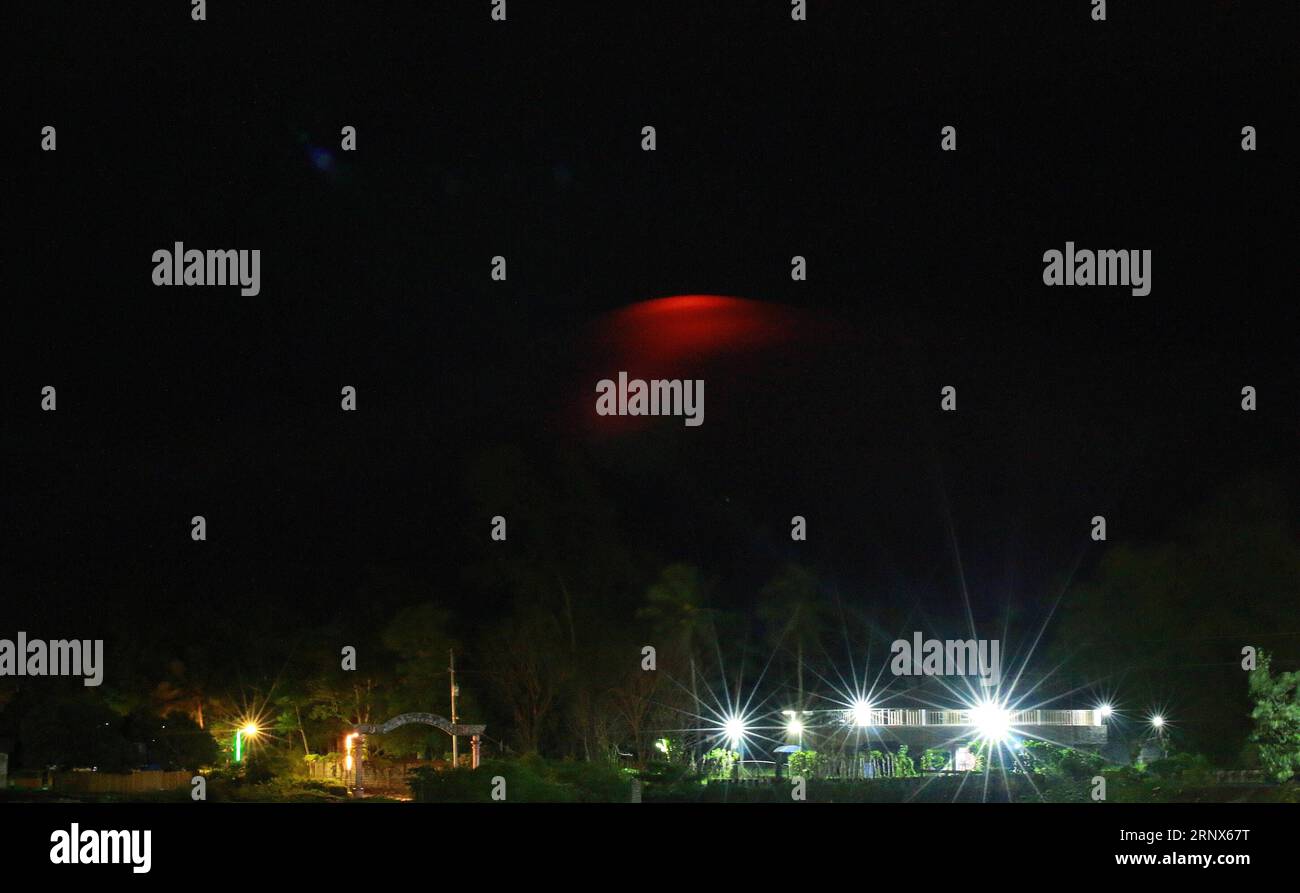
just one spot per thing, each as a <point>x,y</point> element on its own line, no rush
<point>1180,779</point>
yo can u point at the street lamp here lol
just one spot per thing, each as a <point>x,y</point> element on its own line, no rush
<point>347,751</point>
<point>861,712</point>
<point>794,725</point>
<point>734,729</point>
<point>1157,721</point>
<point>249,731</point>
<point>991,720</point>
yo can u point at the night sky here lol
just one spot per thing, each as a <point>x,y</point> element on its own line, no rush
<point>822,397</point>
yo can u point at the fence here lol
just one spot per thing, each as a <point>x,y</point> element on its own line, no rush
<point>378,777</point>
<point>119,783</point>
<point>887,716</point>
<point>877,764</point>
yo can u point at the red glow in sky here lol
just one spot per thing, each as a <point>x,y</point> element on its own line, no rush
<point>653,337</point>
<point>722,340</point>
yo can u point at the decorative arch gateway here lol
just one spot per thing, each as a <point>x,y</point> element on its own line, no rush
<point>455,730</point>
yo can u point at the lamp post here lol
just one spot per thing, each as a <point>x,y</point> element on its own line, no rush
<point>735,728</point>
<point>1158,723</point>
<point>247,731</point>
<point>794,725</point>
<point>455,690</point>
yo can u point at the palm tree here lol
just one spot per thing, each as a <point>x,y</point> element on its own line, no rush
<point>792,612</point>
<point>676,609</point>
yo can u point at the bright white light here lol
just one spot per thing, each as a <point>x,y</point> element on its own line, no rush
<point>794,727</point>
<point>991,720</point>
<point>861,712</point>
<point>734,729</point>
<point>1105,710</point>
<point>1157,720</point>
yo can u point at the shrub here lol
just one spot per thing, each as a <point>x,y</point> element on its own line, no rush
<point>933,759</point>
<point>1056,761</point>
<point>266,764</point>
<point>529,779</point>
<point>718,763</point>
<point>1195,767</point>
<point>806,763</point>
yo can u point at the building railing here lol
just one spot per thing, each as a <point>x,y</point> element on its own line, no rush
<point>888,716</point>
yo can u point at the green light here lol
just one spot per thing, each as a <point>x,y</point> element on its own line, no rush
<point>247,731</point>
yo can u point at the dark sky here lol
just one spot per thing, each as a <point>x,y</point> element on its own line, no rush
<point>774,139</point>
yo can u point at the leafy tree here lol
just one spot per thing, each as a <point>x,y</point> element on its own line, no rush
<point>574,568</point>
<point>186,685</point>
<point>174,741</point>
<point>1160,622</point>
<point>418,636</point>
<point>631,699</point>
<point>419,639</point>
<point>528,662</point>
<point>1277,718</point>
<point>334,698</point>
<point>73,731</point>
<point>185,745</point>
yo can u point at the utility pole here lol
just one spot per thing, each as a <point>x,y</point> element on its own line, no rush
<point>455,750</point>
